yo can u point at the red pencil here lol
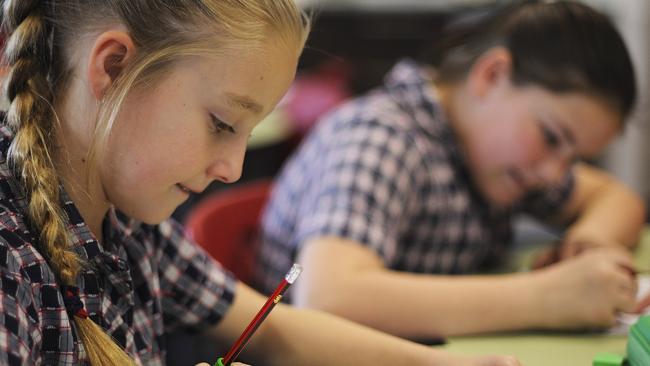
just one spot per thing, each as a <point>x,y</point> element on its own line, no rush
<point>275,297</point>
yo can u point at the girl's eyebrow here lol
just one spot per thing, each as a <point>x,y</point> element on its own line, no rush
<point>568,135</point>
<point>244,102</point>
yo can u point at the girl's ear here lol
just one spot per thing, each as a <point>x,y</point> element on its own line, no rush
<point>490,70</point>
<point>111,52</point>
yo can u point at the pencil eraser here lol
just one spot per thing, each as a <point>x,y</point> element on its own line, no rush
<point>219,362</point>
<point>608,359</point>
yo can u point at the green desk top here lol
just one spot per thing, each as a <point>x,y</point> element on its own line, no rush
<point>548,349</point>
<point>551,349</point>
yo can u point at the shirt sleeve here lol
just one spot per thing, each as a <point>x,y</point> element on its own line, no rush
<point>197,291</point>
<point>363,190</point>
<point>544,204</point>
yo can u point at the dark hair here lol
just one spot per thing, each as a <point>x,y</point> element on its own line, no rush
<point>563,46</point>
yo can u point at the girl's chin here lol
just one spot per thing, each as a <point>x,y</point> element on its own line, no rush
<point>155,216</point>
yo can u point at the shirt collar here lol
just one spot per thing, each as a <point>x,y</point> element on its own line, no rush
<point>412,88</point>
<point>111,259</point>
<point>414,91</point>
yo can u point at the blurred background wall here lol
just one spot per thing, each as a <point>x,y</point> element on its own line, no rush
<point>629,156</point>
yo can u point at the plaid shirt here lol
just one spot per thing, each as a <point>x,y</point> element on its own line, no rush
<point>144,281</point>
<point>386,170</point>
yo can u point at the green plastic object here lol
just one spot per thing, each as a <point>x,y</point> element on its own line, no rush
<point>608,359</point>
<point>219,362</point>
<point>638,343</point>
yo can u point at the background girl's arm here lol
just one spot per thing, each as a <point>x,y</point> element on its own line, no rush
<point>348,279</point>
<point>602,211</point>
<point>291,336</point>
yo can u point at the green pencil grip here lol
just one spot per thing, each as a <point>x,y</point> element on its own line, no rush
<point>219,362</point>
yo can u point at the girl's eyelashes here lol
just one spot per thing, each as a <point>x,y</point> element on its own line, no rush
<point>550,137</point>
<point>221,126</point>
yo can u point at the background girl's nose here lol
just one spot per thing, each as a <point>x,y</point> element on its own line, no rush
<point>553,170</point>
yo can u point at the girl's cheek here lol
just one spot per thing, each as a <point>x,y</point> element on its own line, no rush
<point>531,150</point>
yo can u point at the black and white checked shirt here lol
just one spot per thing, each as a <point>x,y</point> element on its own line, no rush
<point>143,282</point>
<point>385,170</point>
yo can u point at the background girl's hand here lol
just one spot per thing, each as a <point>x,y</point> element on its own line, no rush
<point>547,256</point>
<point>488,361</point>
<point>567,248</point>
<point>588,290</point>
<point>571,247</point>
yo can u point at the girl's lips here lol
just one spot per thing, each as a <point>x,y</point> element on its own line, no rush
<point>519,180</point>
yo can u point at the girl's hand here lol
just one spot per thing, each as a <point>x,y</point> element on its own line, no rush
<point>587,291</point>
<point>572,247</point>
<point>568,248</point>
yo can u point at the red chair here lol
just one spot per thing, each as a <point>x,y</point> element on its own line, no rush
<point>226,225</point>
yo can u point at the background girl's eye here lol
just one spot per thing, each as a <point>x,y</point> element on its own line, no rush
<point>550,138</point>
<point>220,126</point>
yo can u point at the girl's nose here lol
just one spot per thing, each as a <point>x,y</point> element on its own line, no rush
<point>227,167</point>
<point>553,170</point>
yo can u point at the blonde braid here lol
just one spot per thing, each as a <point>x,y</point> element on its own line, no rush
<point>31,117</point>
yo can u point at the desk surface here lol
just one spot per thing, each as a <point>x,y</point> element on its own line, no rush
<point>555,349</point>
<point>549,349</point>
